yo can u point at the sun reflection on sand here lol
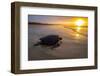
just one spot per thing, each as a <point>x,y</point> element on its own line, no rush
<point>78,29</point>
<point>79,23</point>
<point>77,35</point>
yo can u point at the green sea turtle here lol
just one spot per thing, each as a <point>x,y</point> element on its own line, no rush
<point>52,41</point>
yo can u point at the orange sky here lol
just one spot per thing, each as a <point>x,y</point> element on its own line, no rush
<point>72,21</point>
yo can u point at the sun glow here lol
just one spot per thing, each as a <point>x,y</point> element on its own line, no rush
<point>79,22</point>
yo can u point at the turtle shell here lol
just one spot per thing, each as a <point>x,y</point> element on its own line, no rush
<point>50,40</point>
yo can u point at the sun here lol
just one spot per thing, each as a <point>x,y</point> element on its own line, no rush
<point>79,22</point>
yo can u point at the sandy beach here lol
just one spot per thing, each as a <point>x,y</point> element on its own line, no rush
<point>74,42</point>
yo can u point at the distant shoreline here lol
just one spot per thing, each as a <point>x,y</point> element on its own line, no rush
<point>35,23</point>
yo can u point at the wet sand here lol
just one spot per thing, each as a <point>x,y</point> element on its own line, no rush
<point>74,42</point>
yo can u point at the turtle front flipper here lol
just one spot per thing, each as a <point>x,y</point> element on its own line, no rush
<point>55,46</point>
<point>38,43</point>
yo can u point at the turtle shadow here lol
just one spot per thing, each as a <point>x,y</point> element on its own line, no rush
<point>48,46</point>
